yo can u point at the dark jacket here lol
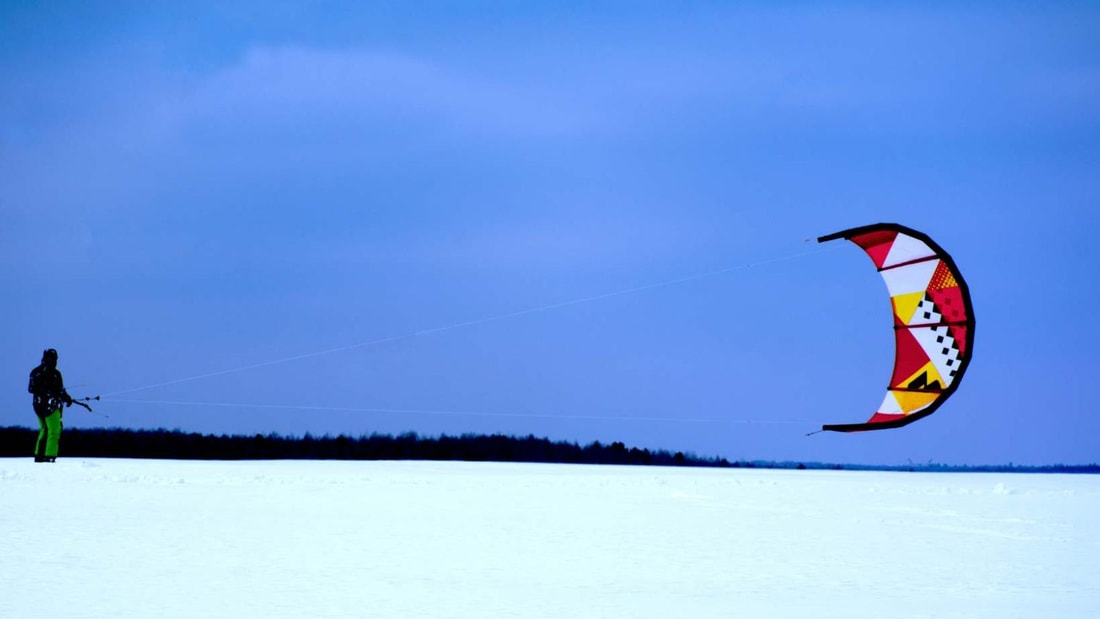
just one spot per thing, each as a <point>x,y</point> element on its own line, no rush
<point>48,388</point>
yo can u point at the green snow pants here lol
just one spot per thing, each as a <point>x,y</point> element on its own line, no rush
<point>49,435</point>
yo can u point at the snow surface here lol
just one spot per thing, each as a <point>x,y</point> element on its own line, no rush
<point>134,538</point>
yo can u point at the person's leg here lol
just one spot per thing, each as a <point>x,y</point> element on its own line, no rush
<point>40,444</point>
<point>53,434</point>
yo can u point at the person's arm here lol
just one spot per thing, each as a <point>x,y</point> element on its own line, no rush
<point>64,395</point>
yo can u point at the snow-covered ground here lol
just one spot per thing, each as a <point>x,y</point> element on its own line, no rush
<point>134,538</point>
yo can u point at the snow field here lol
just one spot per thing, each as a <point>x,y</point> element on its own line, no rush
<point>132,538</point>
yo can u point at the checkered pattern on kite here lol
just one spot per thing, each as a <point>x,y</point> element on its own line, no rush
<point>927,312</point>
<point>949,353</point>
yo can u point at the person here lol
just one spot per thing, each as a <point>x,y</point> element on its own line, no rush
<point>49,393</point>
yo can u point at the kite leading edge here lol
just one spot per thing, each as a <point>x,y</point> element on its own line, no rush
<point>933,322</point>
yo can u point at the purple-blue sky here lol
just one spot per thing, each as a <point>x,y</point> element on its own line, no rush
<point>189,189</point>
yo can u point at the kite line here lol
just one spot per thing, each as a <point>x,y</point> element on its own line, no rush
<point>452,413</point>
<point>112,396</point>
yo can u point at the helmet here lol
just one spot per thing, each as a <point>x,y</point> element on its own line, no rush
<point>49,357</point>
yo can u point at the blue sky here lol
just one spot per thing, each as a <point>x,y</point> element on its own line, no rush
<point>189,191</point>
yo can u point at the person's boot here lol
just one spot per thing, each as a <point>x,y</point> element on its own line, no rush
<point>40,459</point>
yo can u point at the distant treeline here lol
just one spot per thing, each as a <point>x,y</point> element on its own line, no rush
<point>174,444</point>
<point>18,441</point>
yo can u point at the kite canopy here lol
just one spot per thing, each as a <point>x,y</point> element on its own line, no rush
<point>933,322</point>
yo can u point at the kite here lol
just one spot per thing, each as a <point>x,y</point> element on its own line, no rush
<point>933,322</point>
